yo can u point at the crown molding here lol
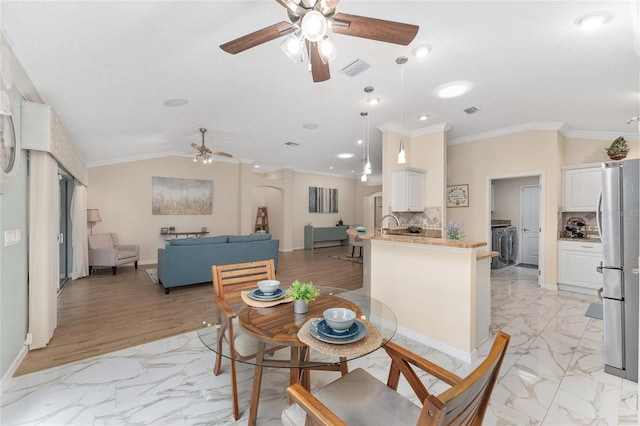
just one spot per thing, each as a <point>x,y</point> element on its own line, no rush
<point>441,127</point>
<point>111,162</point>
<point>608,136</point>
<point>524,127</point>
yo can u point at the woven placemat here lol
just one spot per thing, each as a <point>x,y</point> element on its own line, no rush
<point>368,344</point>
<point>260,304</point>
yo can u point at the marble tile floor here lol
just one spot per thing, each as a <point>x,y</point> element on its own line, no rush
<point>552,374</point>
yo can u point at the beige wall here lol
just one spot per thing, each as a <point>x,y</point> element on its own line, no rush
<point>347,198</point>
<point>475,163</point>
<point>122,192</point>
<point>584,151</point>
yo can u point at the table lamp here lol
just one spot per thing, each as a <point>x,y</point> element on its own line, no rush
<point>93,216</point>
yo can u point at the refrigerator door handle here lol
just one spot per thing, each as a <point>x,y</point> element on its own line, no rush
<point>599,214</point>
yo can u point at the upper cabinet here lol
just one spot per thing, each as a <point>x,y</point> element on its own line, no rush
<point>580,188</point>
<point>407,186</point>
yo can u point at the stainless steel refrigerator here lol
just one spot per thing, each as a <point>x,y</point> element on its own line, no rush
<point>618,224</point>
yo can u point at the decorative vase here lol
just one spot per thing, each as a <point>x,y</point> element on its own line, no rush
<point>618,155</point>
<point>300,307</point>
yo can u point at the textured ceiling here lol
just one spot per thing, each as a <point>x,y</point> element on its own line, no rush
<point>107,67</point>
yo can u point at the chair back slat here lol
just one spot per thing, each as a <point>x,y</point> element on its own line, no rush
<point>466,402</point>
<point>230,280</point>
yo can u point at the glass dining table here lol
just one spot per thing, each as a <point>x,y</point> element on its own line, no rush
<point>310,347</point>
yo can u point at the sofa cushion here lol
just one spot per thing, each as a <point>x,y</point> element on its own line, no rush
<point>221,239</point>
<point>246,238</point>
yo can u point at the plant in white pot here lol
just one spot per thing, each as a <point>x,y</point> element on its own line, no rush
<point>302,294</point>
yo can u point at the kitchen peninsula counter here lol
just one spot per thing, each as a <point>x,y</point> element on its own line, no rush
<point>438,288</point>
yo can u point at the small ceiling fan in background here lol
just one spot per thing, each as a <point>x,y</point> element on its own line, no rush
<point>307,31</point>
<point>204,154</point>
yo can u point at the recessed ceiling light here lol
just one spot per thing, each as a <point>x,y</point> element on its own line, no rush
<point>423,117</point>
<point>452,90</point>
<point>310,126</point>
<point>373,101</point>
<point>359,141</point>
<point>594,20</point>
<point>175,102</point>
<point>421,51</point>
<point>330,167</point>
<point>256,166</point>
<point>345,155</point>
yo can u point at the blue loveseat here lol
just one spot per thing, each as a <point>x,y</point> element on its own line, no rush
<point>185,261</point>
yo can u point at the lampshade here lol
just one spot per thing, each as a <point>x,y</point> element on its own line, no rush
<point>292,46</point>
<point>93,215</point>
<point>327,50</point>
<point>314,26</point>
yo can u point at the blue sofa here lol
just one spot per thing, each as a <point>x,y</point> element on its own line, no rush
<point>186,261</point>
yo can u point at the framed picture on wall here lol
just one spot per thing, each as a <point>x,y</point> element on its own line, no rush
<point>323,200</point>
<point>458,196</point>
<point>164,230</point>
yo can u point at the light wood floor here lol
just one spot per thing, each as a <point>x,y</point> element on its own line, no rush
<point>104,313</point>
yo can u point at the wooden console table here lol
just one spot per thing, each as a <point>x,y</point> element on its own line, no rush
<point>331,233</point>
<point>196,234</point>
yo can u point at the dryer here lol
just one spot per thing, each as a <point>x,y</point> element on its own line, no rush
<point>500,243</point>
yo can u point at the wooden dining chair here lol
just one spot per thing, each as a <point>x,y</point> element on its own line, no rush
<point>360,399</point>
<point>228,282</point>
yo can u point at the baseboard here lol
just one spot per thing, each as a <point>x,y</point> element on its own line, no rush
<point>467,357</point>
<point>552,287</point>
<point>6,379</point>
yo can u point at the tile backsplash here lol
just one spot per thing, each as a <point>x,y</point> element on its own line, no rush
<point>429,219</point>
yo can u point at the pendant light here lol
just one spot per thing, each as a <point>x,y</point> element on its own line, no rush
<point>365,159</point>
<point>402,156</point>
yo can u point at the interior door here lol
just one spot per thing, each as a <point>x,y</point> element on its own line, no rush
<point>529,208</point>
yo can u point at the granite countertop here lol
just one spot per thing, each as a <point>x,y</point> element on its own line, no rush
<point>416,239</point>
<point>581,240</point>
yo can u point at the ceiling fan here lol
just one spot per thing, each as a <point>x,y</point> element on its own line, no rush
<point>204,154</point>
<point>307,30</point>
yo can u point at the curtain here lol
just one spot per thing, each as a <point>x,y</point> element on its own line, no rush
<point>79,235</point>
<point>44,250</point>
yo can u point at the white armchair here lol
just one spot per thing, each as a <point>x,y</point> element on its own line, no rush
<point>105,250</point>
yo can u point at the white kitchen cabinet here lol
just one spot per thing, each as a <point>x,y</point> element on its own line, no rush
<point>580,188</point>
<point>577,263</point>
<point>407,190</point>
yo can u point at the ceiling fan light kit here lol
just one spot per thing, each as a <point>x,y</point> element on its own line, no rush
<point>310,23</point>
<point>204,154</point>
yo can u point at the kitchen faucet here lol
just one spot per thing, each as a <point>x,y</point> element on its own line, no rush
<point>382,221</point>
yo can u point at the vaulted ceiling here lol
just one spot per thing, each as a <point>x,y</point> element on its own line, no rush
<point>107,68</point>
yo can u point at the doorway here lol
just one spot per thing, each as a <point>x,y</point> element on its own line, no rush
<point>517,199</point>
<point>530,224</point>
<point>64,234</point>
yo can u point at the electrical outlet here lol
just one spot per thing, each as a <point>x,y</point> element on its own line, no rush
<point>10,237</point>
<point>18,236</point>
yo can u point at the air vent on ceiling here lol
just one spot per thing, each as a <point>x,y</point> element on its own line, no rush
<point>291,144</point>
<point>355,67</point>
<point>471,110</point>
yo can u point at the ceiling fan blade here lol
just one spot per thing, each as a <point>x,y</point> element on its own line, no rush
<point>375,29</point>
<point>196,146</point>
<point>256,38</point>
<point>221,154</point>
<point>319,70</point>
<point>331,4</point>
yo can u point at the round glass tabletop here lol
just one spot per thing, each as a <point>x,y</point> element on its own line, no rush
<point>278,326</point>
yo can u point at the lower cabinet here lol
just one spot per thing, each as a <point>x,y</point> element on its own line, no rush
<point>577,263</point>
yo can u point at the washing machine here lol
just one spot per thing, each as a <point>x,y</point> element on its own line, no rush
<point>512,241</point>
<point>500,243</point>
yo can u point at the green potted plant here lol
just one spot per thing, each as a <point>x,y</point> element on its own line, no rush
<point>302,294</point>
<point>172,229</point>
<point>618,149</point>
